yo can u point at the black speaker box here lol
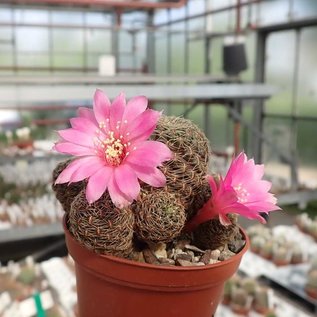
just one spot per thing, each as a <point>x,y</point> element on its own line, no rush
<point>234,59</point>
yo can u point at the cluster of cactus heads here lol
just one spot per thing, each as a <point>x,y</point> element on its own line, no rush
<point>243,294</point>
<point>311,284</point>
<point>280,249</point>
<point>159,214</point>
<point>307,224</point>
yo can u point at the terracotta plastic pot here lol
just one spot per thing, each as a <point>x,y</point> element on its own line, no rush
<point>108,286</point>
<point>312,292</point>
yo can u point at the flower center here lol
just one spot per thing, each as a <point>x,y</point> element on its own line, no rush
<point>112,147</point>
<point>242,193</point>
<point>114,152</point>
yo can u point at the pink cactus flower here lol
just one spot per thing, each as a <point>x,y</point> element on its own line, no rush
<point>113,150</point>
<point>242,191</point>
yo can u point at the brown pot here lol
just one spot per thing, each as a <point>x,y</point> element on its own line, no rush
<point>281,262</point>
<point>108,286</point>
<point>226,300</point>
<point>28,144</point>
<point>312,292</point>
<point>262,310</point>
<point>240,310</point>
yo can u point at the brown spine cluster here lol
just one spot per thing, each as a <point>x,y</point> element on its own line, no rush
<point>101,226</point>
<point>65,193</point>
<point>212,234</point>
<point>185,174</point>
<point>159,216</point>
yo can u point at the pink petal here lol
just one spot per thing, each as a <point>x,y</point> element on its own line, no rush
<point>149,153</point>
<point>88,167</point>
<point>135,107</point>
<point>224,220</point>
<point>258,171</point>
<point>84,125</point>
<point>101,106</point>
<point>66,174</point>
<point>235,168</point>
<point>118,198</point>
<point>151,176</point>
<point>253,215</point>
<point>143,126</point>
<point>87,113</point>
<point>265,185</point>
<point>262,206</point>
<point>77,137</point>
<point>212,184</point>
<point>258,189</point>
<point>72,149</point>
<point>116,112</point>
<point>97,184</point>
<point>127,181</point>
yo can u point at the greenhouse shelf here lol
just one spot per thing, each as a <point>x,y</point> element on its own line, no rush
<point>26,233</point>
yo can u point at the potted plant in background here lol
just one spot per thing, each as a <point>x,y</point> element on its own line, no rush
<point>151,234</point>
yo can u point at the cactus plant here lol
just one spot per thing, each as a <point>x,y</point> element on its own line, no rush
<point>211,234</point>
<point>65,193</point>
<point>303,221</point>
<point>313,263</point>
<point>281,255</point>
<point>140,177</point>
<point>311,285</point>
<point>262,303</point>
<point>101,226</point>
<point>230,285</point>
<point>249,285</point>
<point>298,255</point>
<point>267,250</point>
<point>313,229</point>
<point>27,275</point>
<point>227,292</point>
<point>257,243</point>
<point>240,301</point>
<point>159,216</point>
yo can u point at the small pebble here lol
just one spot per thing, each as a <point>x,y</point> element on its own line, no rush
<point>161,253</point>
<point>168,262</point>
<point>193,248</point>
<point>170,253</point>
<point>199,264</point>
<point>138,256</point>
<point>196,259</point>
<point>211,261</point>
<point>180,262</point>
<point>215,254</point>
<point>225,255</point>
<point>206,257</point>
<point>149,257</point>
<point>176,252</point>
<point>159,249</point>
<point>191,253</point>
<point>184,256</point>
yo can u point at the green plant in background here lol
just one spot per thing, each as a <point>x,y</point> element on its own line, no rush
<point>27,276</point>
<point>14,193</point>
<point>271,314</point>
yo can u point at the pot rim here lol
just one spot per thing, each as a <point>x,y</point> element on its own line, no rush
<point>132,263</point>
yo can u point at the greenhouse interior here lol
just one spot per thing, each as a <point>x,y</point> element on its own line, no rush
<point>158,158</point>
